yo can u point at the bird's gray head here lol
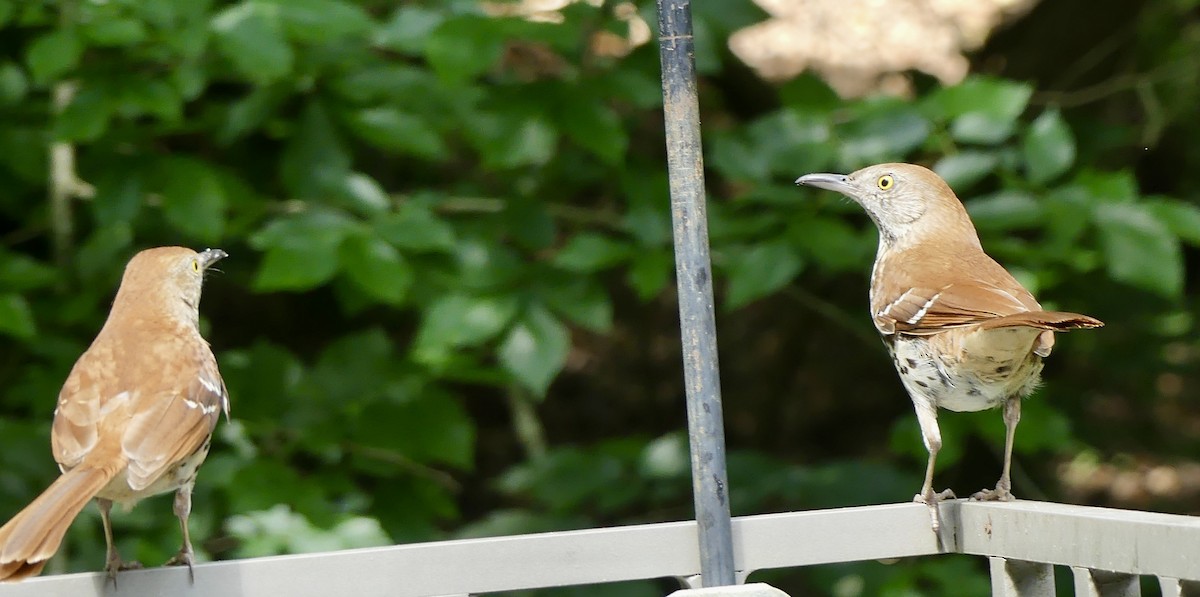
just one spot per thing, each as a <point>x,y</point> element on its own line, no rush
<point>905,201</point>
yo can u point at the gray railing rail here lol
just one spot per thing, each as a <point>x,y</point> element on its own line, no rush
<point>1106,549</point>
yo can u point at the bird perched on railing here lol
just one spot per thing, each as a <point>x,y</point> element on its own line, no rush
<point>135,416</point>
<point>963,333</point>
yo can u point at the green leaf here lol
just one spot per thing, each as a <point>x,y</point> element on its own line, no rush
<point>193,198</point>
<point>1049,148</point>
<point>648,217</point>
<point>1108,187</point>
<point>832,242</point>
<point>512,141</point>
<point>295,269</point>
<point>1051,432</point>
<point>791,141</point>
<point>321,21</point>
<point>998,98</point>
<point>980,109</point>
<point>278,530</point>
<point>189,80</point>
<point>583,301</point>
<point>144,96</point>
<point>250,35</point>
<point>649,273</point>
<point>262,482</point>
<point>391,129</point>
<point>249,113</point>
<point>962,170</point>
<point>981,128</point>
<point>13,85</point>
<point>119,195</point>
<point>809,93</point>
<point>377,268</point>
<point>1139,250</point>
<point>735,157</point>
<point>20,272</point>
<point>301,251</point>
<point>384,84</point>
<point>409,29</point>
<point>588,252</point>
<point>430,428</point>
<point>415,227</point>
<point>355,369</point>
<point>85,118</point>
<point>529,223</point>
<point>1004,211</point>
<point>571,479</point>
<point>536,349</point>
<point>114,31</point>
<point>362,193</point>
<point>455,320</point>
<point>760,270</point>
<point>261,369</point>
<point>16,318</point>
<point>315,159</point>
<point>486,263</point>
<point>882,134</point>
<point>53,55</point>
<point>464,47</point>
<point>706,48</point>
<point>104,247</point>
<point>1183,219</point>
<point>596,127</point>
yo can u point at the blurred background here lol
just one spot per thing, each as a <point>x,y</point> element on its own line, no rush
<point>450,308</point>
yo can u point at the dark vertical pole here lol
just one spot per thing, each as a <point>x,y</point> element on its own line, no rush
<point>685,166</point>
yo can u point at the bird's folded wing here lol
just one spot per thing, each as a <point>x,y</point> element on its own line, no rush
<point>167,428</point>
<point>921,311</point>
<point>90,394</point>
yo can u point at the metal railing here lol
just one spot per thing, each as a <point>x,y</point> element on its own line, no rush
<point>1107,550</point>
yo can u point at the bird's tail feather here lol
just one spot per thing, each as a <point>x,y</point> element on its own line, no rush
<point>34,534</point>
<point>1057,321</point>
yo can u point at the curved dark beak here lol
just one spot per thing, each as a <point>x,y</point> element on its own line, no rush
<point>829,182</point>
<point>210,256</point>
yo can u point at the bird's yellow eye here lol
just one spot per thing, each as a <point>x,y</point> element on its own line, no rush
<point>195,266</point>
<point>885,182</point>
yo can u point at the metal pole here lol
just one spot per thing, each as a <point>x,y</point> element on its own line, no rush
<point>693,270</point>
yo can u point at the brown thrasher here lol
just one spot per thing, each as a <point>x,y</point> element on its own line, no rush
<point>135,416</point>
<point>963,333</point>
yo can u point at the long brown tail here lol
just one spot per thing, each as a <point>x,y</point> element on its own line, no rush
<point>34,534</point>
<point>1057,321</point>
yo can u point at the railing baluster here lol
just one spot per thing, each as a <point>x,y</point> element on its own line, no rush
<point>1017,578</point>
<point>1173,587</point>
<point>1101,583</point>
<point>685,168</point>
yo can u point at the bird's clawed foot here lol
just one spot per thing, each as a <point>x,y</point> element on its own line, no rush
<point>113,565</point>
<point>1000,494</point>
<point>930,498</point>
<point>185,557</point>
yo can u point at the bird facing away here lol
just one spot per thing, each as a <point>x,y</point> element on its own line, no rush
<point>135,416</point>
<point>963,333</point>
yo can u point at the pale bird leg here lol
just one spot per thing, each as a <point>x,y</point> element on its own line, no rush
<point>932,436</point>
<point>112,559</point>
<point>1003,490</point>
<point>183,509</point>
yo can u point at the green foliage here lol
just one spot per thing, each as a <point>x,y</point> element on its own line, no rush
<point>449,307</point>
